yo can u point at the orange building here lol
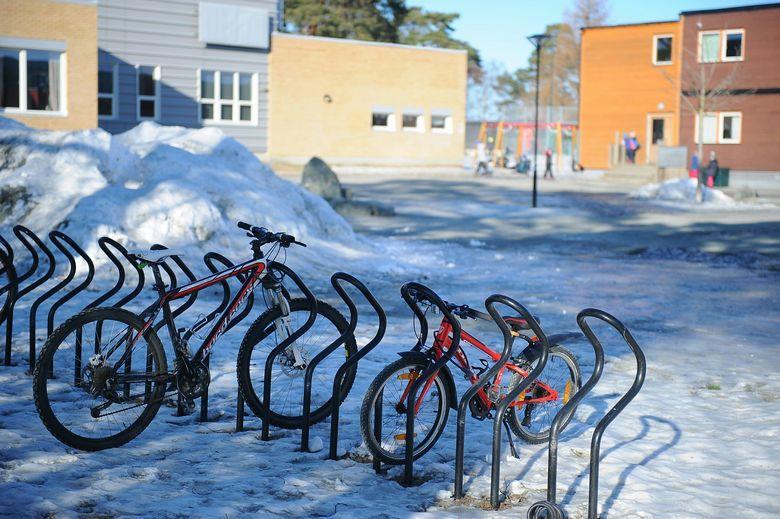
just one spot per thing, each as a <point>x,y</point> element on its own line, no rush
<point>629,77</point>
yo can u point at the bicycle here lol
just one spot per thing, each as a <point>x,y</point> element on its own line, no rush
<point>529,417</point>
<point>93,396</point>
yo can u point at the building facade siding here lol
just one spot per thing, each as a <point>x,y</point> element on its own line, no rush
<point>164,34</point>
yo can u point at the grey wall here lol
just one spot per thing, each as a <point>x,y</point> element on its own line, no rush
<point>164,33</point>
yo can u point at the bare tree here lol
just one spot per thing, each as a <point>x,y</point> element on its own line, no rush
<point>586,13</point>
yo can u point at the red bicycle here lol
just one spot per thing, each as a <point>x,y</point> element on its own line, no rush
<point>529,417</point>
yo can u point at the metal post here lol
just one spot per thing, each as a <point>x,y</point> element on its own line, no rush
<point>537,40</point>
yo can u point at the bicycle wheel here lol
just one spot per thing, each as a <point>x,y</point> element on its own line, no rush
<point>531,422</point>
<point>429,422</point>
<point>287,380</point>
<point>95,386</point>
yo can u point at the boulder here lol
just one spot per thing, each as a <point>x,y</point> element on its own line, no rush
<point>321,180</point>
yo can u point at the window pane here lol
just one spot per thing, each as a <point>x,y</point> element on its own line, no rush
<point>43,80</point>
<point>207,111</point>
<point>146,81</point>
<point>207,84</point>
<point>226,85</point>
<point>106,81</point>
<point>105,106</point>
<point>380,119</point>
<point>710,129</point>
<point>658,131</point>
<point>146,108</point>
<point>409,121</point>
<point>709,48</point>
<point>438,122</point>
<point>227,112</point>
<point>246,113</point>
<point>734,45</point>
<point>663,50</point>
<point>245,87</point>
<point>9,78</point>
<point>727,127</point>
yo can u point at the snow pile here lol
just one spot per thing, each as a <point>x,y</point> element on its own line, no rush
<point>683,190</point>
<point>153,184</point>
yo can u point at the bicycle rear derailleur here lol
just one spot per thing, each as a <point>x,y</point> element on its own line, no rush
<point>194,385</point>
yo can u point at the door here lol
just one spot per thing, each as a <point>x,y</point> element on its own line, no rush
<point>658,134</point>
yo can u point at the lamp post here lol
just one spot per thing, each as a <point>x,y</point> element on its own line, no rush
<point>537,40</point>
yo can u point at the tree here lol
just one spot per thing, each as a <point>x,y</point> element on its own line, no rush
<point>378,20</point>
<point>586,13</point>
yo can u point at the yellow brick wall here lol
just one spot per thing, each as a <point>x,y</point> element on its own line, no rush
<point>359,76</point>
<point>620,86</point>
<point>76,25</point>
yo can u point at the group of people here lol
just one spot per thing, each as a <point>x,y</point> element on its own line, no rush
<point>483,161</point>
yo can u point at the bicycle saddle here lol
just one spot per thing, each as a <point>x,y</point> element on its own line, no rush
<point>156,256</point>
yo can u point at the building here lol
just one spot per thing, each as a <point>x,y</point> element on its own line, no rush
<point>48,63</point>
<point>188,63</point>
<point>628,77</point>
<point>645,77</point>
<point>356,102</point>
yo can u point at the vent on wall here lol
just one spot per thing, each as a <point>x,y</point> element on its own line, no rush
<point>233,25</point>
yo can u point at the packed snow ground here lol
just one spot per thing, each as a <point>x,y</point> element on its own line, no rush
<point>681,192</point>
<point>700,440</point>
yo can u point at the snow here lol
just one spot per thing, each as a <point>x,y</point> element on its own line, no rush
<point>682,192</point>
<point>699,441</point>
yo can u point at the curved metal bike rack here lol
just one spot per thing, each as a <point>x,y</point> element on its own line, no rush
<point>411,293</point>
<point>549,509</point>
<point>7,264</point>
<point>486,377</point>
<point>336,401</point>
<point>269,361</point>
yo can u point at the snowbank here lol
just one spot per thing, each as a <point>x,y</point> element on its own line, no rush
<point>172,185</point>
<point>683,190</point>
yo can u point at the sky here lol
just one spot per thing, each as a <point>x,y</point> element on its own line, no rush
<point>498,28</point>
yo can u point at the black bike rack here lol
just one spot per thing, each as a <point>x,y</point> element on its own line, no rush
<point>336,401</point>
<point>269,361</point>
<point>549,509</point>
<point>7,269</point>
<point>412,293</point>
<point>504,403</point>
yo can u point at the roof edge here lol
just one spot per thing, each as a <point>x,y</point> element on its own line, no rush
<point>753,7</point>
<point>350,41</point>
<point>657,22</point>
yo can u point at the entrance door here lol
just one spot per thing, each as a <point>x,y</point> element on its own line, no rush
<point>658,134</point>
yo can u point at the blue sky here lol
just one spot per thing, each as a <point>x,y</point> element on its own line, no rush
<point>498,28</point>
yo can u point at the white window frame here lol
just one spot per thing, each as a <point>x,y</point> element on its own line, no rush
<point>724,42</point>
<point>114,95</point>
<point>447,123</point>
<point>734,140</point>
<point>157,76</point>
<point>698,47</point>
<point>390,121</point>
<point>235,102</point>
<point>419,122</point>
<point>22,108</point>
<point>657,37</point>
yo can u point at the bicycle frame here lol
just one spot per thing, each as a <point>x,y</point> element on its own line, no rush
<point>443,341</point>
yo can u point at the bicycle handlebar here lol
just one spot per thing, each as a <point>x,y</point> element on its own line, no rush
<point>265,236</point>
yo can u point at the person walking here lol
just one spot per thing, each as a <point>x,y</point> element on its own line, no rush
<point>548,164</point>
<point>632,146</point>
<point>712,170</point>
<point>482,160</point>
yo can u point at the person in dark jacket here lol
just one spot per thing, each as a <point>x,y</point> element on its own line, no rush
<point>548,164</point>
<point>712,169</point>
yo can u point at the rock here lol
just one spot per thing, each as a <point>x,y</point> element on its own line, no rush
<point>361,208</point>
<point>321,180</point>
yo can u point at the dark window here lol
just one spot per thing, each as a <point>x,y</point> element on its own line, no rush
<point>106,81</point>
<point>207,111</point>
<point>226,85</point>
<point>245,87</point>
<point>43,80</point>
<point>438,122</point>
<point>9,78</point>
<point>105,106</point>
<point>227,113</point>
<point>380,119</point>
<point>663,49</point>
<point>728,127</point>
<point>658,131</point>
<point>734,45</point>
<point>409,121</point>
<point>246,113</point>
<point>207,84</point>
<point>146,108</point>
<point>146,86</point>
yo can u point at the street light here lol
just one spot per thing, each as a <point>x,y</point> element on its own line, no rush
<point>537,40</point>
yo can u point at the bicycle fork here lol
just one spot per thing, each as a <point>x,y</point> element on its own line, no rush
<point>283,327</point>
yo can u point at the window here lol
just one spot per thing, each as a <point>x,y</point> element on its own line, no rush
<point>730,127</point>
<point>658,131</point>
<point>662,49</point>
<point>726,45</point>
<point>412,122</point>
<point>720,128</point>
<point>732,45</point>
<point>383,119</point>
<point>441,122</point>
<point>148,94</point>
<point>227,97</point>
<point>32,80</point>
<point>107,91</point>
